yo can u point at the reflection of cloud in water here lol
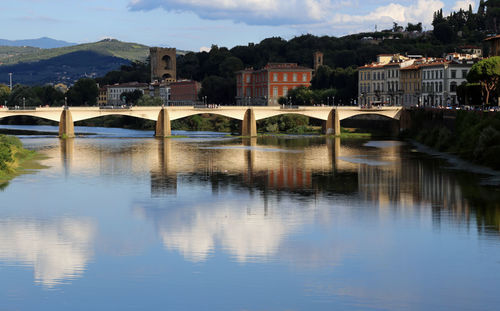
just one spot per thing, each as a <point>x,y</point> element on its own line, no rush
<point>57,251</point>
<point>248,234</point>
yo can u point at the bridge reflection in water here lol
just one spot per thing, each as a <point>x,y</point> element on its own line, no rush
<point>272,166</point>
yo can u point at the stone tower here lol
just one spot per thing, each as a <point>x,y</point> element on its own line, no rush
<point>163,64</point>
<point>318,60</point>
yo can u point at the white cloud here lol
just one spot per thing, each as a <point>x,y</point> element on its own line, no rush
<point>205,49</point>
<point>252,12</point>
<point>422,11</point>
<point>316,16</point>
<point>464,4</point>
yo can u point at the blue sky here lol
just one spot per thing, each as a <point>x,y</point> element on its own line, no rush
<point>194,24</point>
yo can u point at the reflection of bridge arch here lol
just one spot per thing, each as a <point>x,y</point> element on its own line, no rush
<point>248,115</point>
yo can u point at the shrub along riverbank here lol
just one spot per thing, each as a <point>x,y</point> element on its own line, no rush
<point>471,135</point>
<point>12,155</point>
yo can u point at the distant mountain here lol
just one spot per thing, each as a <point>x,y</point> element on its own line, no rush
<point>43,43</point>
<point>132,51</point>
<point>65,68</point>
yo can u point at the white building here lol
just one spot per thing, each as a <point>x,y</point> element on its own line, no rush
<point>114,91</point>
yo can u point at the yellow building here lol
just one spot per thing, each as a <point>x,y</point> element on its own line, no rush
<point>102,99</point>
<point>411,85</point>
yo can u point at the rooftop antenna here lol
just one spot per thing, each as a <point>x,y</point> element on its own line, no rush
<point>10,78</point>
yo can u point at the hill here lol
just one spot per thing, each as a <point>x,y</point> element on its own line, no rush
<point>43,43</point>
<point>109,47</point>
<point>65,68</point>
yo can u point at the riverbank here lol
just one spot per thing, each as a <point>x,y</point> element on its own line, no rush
<point>13,157</point>
<point>469,135</point>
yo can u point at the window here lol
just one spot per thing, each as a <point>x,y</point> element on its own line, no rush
<point>441,74</point>
<point>304,77</point>
<point>285,91</point>
<point>453,74</point>
<point>285,77</point>
<point>464,74</point>
<point>275,91</point>
<point>440,87</point>
<point>248,78</point>
<point>453,87</point>
<point>275,77</point>
<point>294,77</point>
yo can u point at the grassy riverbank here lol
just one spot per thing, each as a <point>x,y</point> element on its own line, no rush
<point>12,157</point>
<point>472,136</point>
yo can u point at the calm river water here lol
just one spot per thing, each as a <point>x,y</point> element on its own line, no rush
<point>126,222</point>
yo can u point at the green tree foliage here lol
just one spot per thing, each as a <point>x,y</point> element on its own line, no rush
<point>22,94</point>
<point>4,94</point>
<point>83,93</point>
<point>218,90</point>
<point>444,33</point>
<point>487,73</point>
<point>9,147</point>
<point>131,97</point>
<point>493,15</point>
<point>49,96</point>
<point>414,27</point>
<point>146,100</point>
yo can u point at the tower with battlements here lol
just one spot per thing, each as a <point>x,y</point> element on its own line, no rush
<point>163,64</point>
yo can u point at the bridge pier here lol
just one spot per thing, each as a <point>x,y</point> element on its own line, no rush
<point>249,124</point>
<point>332,125</point>
<point>66,127</point>
<point>163,128</point>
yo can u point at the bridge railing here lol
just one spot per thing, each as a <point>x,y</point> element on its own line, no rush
<point>22,108</point>
<point>115,107</point>
<point>289,107</point>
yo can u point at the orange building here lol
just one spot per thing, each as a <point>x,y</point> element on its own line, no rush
<point>265,86</point>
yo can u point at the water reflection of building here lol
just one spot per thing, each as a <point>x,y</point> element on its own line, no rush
<point>380,175</point>
<point>289,177</point>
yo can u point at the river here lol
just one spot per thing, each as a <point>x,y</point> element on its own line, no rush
<point>118,220</point>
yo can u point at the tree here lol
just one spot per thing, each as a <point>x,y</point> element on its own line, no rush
<point>444,33</point>
<point>147,100</point>
<point>229,66</point>
<point>218,90</point>
<point>396,27</point>
<point>131,97</point>
<point>48,95</point>
<point>487,73</point>
<point>321,79</point>
<point>414,27</point>
<point>4,93</point>
<point>83,93</point>
<point>22,94</point>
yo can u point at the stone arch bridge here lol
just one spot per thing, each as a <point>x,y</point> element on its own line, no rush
<point>248,115</point>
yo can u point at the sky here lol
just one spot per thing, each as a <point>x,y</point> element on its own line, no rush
<point>197,24</point>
